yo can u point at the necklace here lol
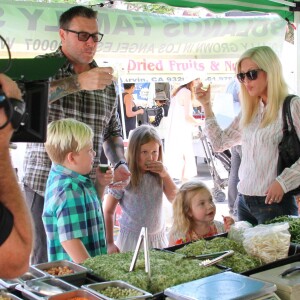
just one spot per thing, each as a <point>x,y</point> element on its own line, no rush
<point>212,230</point>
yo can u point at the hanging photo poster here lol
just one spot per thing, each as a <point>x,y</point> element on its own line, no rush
<point>141,93</point>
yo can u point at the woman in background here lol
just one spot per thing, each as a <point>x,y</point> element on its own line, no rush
<point>180,157</point>
<point>129,108</point>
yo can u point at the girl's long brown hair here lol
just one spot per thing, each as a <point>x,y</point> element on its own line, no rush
<point>138,137</point>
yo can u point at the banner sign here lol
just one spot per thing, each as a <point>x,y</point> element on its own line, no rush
<point>32,28</point>
<point>142,66</point>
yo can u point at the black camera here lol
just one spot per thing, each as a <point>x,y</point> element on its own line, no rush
<point>32,77</point>
<point>14,110</point>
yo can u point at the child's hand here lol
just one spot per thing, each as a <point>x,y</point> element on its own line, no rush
<point>104,179</point>
<point>156,167</point>
<point>121,177</point>
<point>112,248</point>
<point>228,221</point>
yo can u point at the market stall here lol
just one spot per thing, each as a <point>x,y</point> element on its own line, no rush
<point>178,271</point>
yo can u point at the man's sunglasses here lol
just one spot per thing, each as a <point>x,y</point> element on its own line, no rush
<point>84,36</point>
<point>251,75</point>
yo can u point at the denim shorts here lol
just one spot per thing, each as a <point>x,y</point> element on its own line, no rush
<point>254,210</point>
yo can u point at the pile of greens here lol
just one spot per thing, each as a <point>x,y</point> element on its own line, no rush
<point>294,226</point>
<point>239,262</point>
<point>167,269</point>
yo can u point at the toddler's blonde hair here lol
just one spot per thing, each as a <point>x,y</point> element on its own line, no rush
<point>182,205</point>
<point>65,136</point>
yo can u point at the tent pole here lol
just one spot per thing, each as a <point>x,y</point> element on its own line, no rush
<point>122,118</point>
<point>296,42</point>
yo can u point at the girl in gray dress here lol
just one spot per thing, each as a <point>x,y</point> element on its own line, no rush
<point>142,200</point>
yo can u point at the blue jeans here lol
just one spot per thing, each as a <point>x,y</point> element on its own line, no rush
<point>35,202</point>
<point>254,210</point>
<point>236,153</point>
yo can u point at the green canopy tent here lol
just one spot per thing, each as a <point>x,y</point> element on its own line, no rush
<point>284,8</point>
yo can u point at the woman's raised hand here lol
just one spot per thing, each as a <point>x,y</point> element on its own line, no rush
<point>202,94</point>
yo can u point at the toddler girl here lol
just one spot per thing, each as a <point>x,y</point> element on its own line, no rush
<point>193,214</point>
<point>141,201</point>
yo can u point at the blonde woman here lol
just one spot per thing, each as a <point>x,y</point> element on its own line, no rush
<point>258,128</point>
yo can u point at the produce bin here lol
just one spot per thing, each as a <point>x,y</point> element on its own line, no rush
<point>293,255</point>
<point>84,279</point>
<point>78,271</point>
<point>9,295</point>
<point>80,293</point>
<point>96,288</point>
<point>40,288</point>
<point>31,274</point>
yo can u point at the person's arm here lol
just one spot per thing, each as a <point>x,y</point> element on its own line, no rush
<point>76,250</point>
<point>102,181</point>
<point>128,107</point>
<point>114,151</point>
<point>158,117</point>
<point>15,251</point>
<point>109,208</point>
<point>94,79</point>
<point>228,221</point>
<point>169,186</point>
<point>204,97</point>
<point>220,139</point>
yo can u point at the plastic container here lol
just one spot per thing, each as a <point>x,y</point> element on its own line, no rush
<point>288,287</point>
<point>97,287</point>
<point>225,286</point>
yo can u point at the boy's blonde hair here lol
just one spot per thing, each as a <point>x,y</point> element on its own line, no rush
<point>182,206</point>
<point>65,136</point>
<point>138,137</point>
<point>267,60</point>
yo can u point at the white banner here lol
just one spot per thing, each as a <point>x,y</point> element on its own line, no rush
<point>32,28</point>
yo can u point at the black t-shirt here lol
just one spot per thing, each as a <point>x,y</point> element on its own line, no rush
<point>6,223</point>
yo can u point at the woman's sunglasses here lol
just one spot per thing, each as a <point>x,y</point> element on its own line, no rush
<point>251,75</point>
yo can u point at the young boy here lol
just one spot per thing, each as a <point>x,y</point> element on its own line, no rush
<point>72,216</point>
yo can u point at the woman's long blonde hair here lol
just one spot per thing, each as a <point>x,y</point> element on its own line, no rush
<point>138,137</point>
<point>181,207</point>
<point>277,89</point>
